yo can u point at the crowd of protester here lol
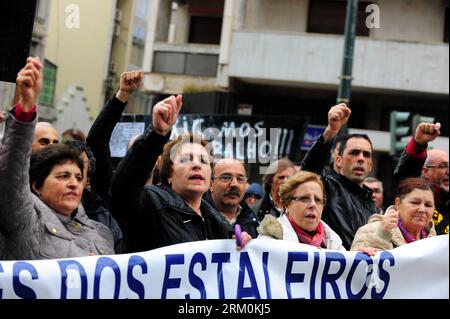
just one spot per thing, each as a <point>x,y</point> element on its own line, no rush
<point>61,200</point>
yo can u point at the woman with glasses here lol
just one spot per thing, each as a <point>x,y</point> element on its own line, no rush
<point>410,219</point>
<point>303,198</point>
<point>173,211</point>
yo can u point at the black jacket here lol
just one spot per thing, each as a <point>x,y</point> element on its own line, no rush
<point>411,166</point>
<point>96,209</point>
<point>97,201</point>
<point>156,216</point>
<point>348,206</point>
<point>264,207</point>
<point>247,218</point>
<point>98,140</point>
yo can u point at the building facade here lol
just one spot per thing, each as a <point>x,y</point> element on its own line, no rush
<point>284,57</point>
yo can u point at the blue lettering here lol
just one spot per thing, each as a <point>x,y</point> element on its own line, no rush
<point>331,278</point>
<point>252,291</point>
<point>194,280</point>
<point>134,284</point>
<point>72,265</point>
<point>291,277</point>
<point>20,289</point>
<point>219,259</point>
<point>266,275</point>
<point>383,274</point>
<point>102,263</point>
<point>171,283</point>
<point>1,290</point>
<point>312,283</point>
<point>348,283</point>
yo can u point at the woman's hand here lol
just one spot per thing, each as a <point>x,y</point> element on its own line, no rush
<point>245,238</point>
<point>129,82</point>
<point>369,251</point>
<point>29,82</point>
<point>165,114</point>
<point>390,219</point>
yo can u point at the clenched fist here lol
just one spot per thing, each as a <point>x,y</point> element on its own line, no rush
<point>29,83</point>
<point>426,132</point>
<point>165,114</point>
<point>129,82</point>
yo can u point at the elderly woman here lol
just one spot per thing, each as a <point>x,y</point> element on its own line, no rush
<point>303,198</point>
<point>173,211</point>
<point>410,219</point>
<point>46,221</point>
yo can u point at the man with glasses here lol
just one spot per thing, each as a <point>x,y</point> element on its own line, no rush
<point>227,192</point>
<point>44,135</point>
<point>432,165</point>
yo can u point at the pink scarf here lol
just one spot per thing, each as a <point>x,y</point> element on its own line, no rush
<point>318,240</point>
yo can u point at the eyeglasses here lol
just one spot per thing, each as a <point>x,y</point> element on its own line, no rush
<point>46,141</point>
<point>228,178</point>
<point>308,199</point>
<point>443,166</point>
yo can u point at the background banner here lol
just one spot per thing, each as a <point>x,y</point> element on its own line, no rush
<point>253,139</point>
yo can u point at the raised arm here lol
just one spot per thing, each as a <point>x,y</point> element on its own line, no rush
<point>100,133</point>
<point>318,155</point>
<point>16,202</point>
<point>134,169</point>
<point>413,158</point>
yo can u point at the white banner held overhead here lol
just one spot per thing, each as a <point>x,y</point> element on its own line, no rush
<point>216,270</point>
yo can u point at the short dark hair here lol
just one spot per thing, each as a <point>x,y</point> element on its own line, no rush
<point>345,139</point>
<point>407,185</point>
<point>166,164</point>
<point>43,161</point>
<point>80,147</point>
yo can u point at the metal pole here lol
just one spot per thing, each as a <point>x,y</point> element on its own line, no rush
<point>345,85</point>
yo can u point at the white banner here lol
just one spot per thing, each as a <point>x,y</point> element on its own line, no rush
<point>216,270</point>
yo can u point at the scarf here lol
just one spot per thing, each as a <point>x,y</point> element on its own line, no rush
<point>407,235</point>
<point>317,240</point>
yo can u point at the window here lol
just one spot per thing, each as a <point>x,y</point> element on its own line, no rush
<point>186,63</point>
<point>206,30</point>
<point>206,21</point>
<point>47,95</point>
<point>328,16</point>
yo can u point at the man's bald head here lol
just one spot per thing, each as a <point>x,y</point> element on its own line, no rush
<point>44,134</point>
<point>435,169</point>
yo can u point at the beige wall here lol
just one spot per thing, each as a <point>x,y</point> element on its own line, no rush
<point>121,49</point>
<point>81,54</point>
<point>279,15</point>
<point>179,24</point>
<point>411,20</point>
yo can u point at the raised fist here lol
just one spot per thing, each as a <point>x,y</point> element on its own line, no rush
<point>29,83</point>
<point>165,114</point>
<point>426,132</point>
